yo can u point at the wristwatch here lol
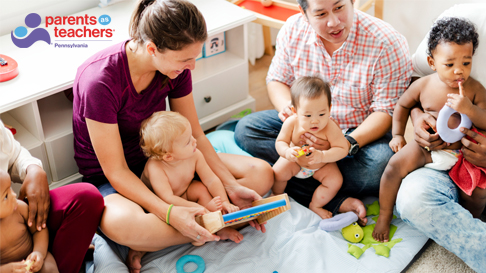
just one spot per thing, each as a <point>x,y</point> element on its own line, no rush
<point>354,145</point>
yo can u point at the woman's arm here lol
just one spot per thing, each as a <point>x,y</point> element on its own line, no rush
<point>474,153</point>
<point>109,151</point>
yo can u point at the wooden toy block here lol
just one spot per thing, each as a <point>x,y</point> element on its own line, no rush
<point>261,210</point>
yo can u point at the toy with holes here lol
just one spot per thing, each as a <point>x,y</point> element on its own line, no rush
<point>304,150</point>
<point>261,210</point>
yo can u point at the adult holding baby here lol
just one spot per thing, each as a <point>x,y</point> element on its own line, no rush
<point>70,213</point>
<point>118,88</point>
<point>368,66</point>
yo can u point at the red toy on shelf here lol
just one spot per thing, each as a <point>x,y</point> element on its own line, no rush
<point>8,68</point>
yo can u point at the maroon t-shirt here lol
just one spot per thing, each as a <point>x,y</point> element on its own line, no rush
<point>103,91</point>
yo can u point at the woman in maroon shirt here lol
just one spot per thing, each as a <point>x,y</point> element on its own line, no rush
<point>119,87</point>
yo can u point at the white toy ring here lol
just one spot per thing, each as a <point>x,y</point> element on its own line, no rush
<point>447,134</point>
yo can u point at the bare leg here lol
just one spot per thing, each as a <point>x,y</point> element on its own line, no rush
<point>197,192</point>
<point>331,181</point>
<point>126,223</point>
<point>283,171</point>
<point>356,206</point>
<point>474,203</point>
<point>50,265</point>
<point>250,172</point>
<point>408,159</point>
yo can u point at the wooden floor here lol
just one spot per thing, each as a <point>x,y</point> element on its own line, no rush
<point>258,86</point>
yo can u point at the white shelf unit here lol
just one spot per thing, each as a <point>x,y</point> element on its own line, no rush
<point>35,105</point>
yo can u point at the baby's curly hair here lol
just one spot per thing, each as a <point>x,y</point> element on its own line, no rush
<point>452,30</point>
<point>158,132</point>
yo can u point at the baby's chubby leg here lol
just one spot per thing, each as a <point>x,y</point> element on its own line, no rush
<point>475,203</point>
<point>50,265</point>
<point>408,159</point>
<point>331,181</point>
<point>197,192</point>
<point>283,171</point>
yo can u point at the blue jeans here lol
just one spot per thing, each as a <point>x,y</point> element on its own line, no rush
<point>428,200</point>
<point>257,132</point>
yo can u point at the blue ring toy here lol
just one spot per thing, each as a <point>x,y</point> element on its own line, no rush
<point>201,266</point>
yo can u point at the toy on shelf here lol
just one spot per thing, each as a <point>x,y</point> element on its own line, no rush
<point>304,150</point>
<point>8,68</point>
<point>12,129</point>
<point>261,210</point>
<point>267,3</point>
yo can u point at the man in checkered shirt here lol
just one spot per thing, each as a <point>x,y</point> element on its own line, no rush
<point>368,65</point>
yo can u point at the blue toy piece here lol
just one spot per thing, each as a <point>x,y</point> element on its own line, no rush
<point>447,134</point>
<point>201,266</point>
<point>339,221</point>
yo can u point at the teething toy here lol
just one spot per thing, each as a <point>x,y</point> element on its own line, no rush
<point>447,134</point>
<point>201,266</point>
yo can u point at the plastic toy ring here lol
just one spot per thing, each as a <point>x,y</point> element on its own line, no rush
<point>447,134</point>
<point>201,266</point>
<point>427,148</point>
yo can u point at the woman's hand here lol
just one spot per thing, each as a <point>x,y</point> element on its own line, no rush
<point>423,137</point>
<point>474,153</point>
<point>183,219</point>
<point>36,189</point>
<point>243,197</point>
<point>38,260</point>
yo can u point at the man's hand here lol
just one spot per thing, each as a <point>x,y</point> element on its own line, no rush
<point>313,141</point>
<point>36,189</point>
<point>243,197</point>
<point>286,112</point>
<point>474,153</point>
<point>422,125</point>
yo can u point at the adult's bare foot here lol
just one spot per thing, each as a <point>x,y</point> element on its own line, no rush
<point>134,260</point>
<point>356,206</point>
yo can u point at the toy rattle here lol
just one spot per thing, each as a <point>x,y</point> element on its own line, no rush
<point>261,210</point>
<point>447,134</point>
<point>304,150</point>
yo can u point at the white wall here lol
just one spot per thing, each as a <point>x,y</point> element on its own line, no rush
<point>413,18</point>
<point>13,12</point>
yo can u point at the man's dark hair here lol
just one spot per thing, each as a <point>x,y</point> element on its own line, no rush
<point>304,4</point>
<point>452,30</point>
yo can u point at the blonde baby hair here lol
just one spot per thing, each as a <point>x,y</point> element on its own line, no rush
<point>158,132</point>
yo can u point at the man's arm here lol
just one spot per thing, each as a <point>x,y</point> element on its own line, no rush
<point>393,72</point>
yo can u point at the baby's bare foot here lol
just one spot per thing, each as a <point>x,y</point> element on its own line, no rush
<point>215,204</point>
<point>134,261</point>
<point>355,205</point>
<point>230,234</point>
<point>381,232</point>
<point>323,213</point>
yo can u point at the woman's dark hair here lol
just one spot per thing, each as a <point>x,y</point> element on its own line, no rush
<point>309,88</point>
<point>452,30</point>
<point>169,24</point>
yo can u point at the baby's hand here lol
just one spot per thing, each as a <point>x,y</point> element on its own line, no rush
<point>316,156</point>
<point>459,102</point>
<point>291,154</point>
<point>397,143</point>
<point>229,208</point>
<point>38,260</point>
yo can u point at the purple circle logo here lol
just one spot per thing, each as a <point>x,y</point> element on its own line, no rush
<point>32,20</point>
